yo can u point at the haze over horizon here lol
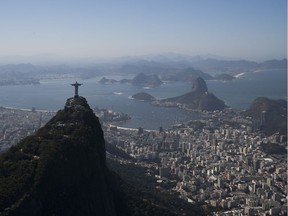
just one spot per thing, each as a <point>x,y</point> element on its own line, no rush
<point>253,30</point>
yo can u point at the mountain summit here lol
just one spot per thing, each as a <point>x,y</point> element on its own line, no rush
<point>60,170</point>
<point>199,85</point>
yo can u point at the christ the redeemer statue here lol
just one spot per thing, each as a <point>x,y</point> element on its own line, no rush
<point>76,85</point>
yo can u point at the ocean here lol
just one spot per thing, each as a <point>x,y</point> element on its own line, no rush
<point>52,95</point>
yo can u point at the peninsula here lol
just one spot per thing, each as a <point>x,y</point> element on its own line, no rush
<point>197,99</point>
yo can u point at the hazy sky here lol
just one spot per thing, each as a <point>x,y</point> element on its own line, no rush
<point>250,29</point>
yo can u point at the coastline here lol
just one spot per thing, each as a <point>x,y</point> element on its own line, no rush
<point>129,129</point>
<point>27,110</point>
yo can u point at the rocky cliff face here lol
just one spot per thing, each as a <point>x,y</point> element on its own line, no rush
<point>60,170</point>
<point>199,85</point>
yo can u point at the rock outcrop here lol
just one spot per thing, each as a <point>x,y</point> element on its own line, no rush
<point>199,85</point>
<point>198,99</point>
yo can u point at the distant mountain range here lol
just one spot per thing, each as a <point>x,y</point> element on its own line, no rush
<point>236,66</point>
<point>210,65</point>
<point>167,67</point>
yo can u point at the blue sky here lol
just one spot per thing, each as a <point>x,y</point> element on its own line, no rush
<point>249,29</point>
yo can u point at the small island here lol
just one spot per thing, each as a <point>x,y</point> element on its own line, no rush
<point>150,81</point>
<point>143,96</point>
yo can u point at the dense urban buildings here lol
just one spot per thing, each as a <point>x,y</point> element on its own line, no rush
<point>219,160</point>
<point>16,124</point>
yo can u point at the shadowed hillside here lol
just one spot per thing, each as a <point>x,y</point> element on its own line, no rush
<point>274,114</point>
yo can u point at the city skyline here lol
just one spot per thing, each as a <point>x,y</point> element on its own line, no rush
<point>253,30</point>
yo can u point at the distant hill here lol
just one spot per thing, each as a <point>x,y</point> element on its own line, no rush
<point>214,63</point>
<point>146,80</point>
<point>186,75</point>
<point>182,67</point>
<point>166,68</point>
<point>237,66</point>
<point>275,114</point>
<point>274,64</point>
<point>199,98</point>
<point>24,71</point>
<point>139,80</point>
<point>104,80</point>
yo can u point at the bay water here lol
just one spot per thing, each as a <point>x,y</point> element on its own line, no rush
<point>52,95</point>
